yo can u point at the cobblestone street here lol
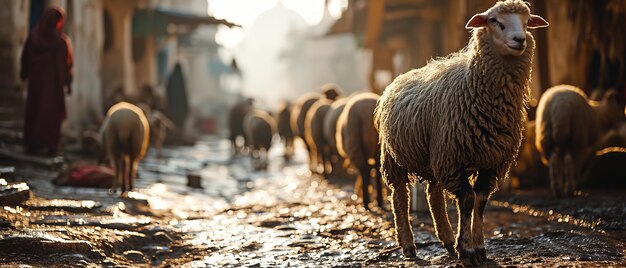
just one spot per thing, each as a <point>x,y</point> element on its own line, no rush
<point>281,218</point>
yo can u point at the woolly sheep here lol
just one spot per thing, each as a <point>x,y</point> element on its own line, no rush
<point>235,122</point>
<point>301,108</point>
<point>125,136</point>
<point>159,124</point>
<point>330,129</point>
<point>568,132</point>
<point>284,128</point>
<point>357,142</point>
<point>259,128</point>
<point>314,135</point>
<point>455,117</point>
<point>298,114</point>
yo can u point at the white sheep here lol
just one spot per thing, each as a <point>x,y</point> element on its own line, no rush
<point>569,130</point>
<point>125,136</point>
<point>455,117</point>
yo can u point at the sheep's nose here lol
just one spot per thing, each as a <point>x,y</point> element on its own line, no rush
<point>520,40</point>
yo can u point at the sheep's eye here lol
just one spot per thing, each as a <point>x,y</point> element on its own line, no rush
<point>492,20</point>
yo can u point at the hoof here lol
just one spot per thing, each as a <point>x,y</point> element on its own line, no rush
<point>468,257</point>
<point>450,249</point>
<point>410,251</point>
<point>481,253</point>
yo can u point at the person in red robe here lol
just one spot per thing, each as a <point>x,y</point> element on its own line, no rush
<point>46,63</point>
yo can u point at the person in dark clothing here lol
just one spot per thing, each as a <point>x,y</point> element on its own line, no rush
<point>46,63</point>
<point>177,102</point>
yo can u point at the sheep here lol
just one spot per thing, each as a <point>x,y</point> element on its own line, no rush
<point>457,116</point>
<point>330,129</point>
<point>124,137</point>
<point>314,135</point>
<point>284,128</point>
<point>298,115</point>
<point>357,142</point>
<point>569,130</point>
<point>235,122</point>
<point>159,124</point>
<point>300,110</point>
<point>259,128</point>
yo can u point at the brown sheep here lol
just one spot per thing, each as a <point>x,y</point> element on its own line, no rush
<point>235,122</point>
<point>159,124</point>
<point>299,113</point>
<point>330,138</point>
<point>259,128</point>
<point>570,128</point>
<point>284,129</point>
<point>314,134</point>
<point>125,136</point>
<point>357,142</point>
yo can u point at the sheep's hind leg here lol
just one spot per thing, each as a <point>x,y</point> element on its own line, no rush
<point>484,185</point>
<point>118,175</point>
<point>439,213</point>
<point>458,185</point>
<point>366,181</point>
<point>127,173</point>
<point>569,175</point>
<point>556,175</point>
<point>379,187</point>
<point>133,174</point>
<point>396,178</point>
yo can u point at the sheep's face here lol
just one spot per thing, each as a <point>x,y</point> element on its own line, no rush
<point>507,30</point>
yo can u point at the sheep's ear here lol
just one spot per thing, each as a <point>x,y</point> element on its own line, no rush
<point>477,21</point>
<point>536,21</point>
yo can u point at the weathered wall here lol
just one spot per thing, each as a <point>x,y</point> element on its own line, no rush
<point>13,33</point>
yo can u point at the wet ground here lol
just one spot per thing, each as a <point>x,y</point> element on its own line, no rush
<point>284,217</point>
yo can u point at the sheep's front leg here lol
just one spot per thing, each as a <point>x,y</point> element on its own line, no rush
<point>458,185</point>
<point>400,205</point>
<point>483,187</point>
<point>397,179</point>
<point>439,213</point>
